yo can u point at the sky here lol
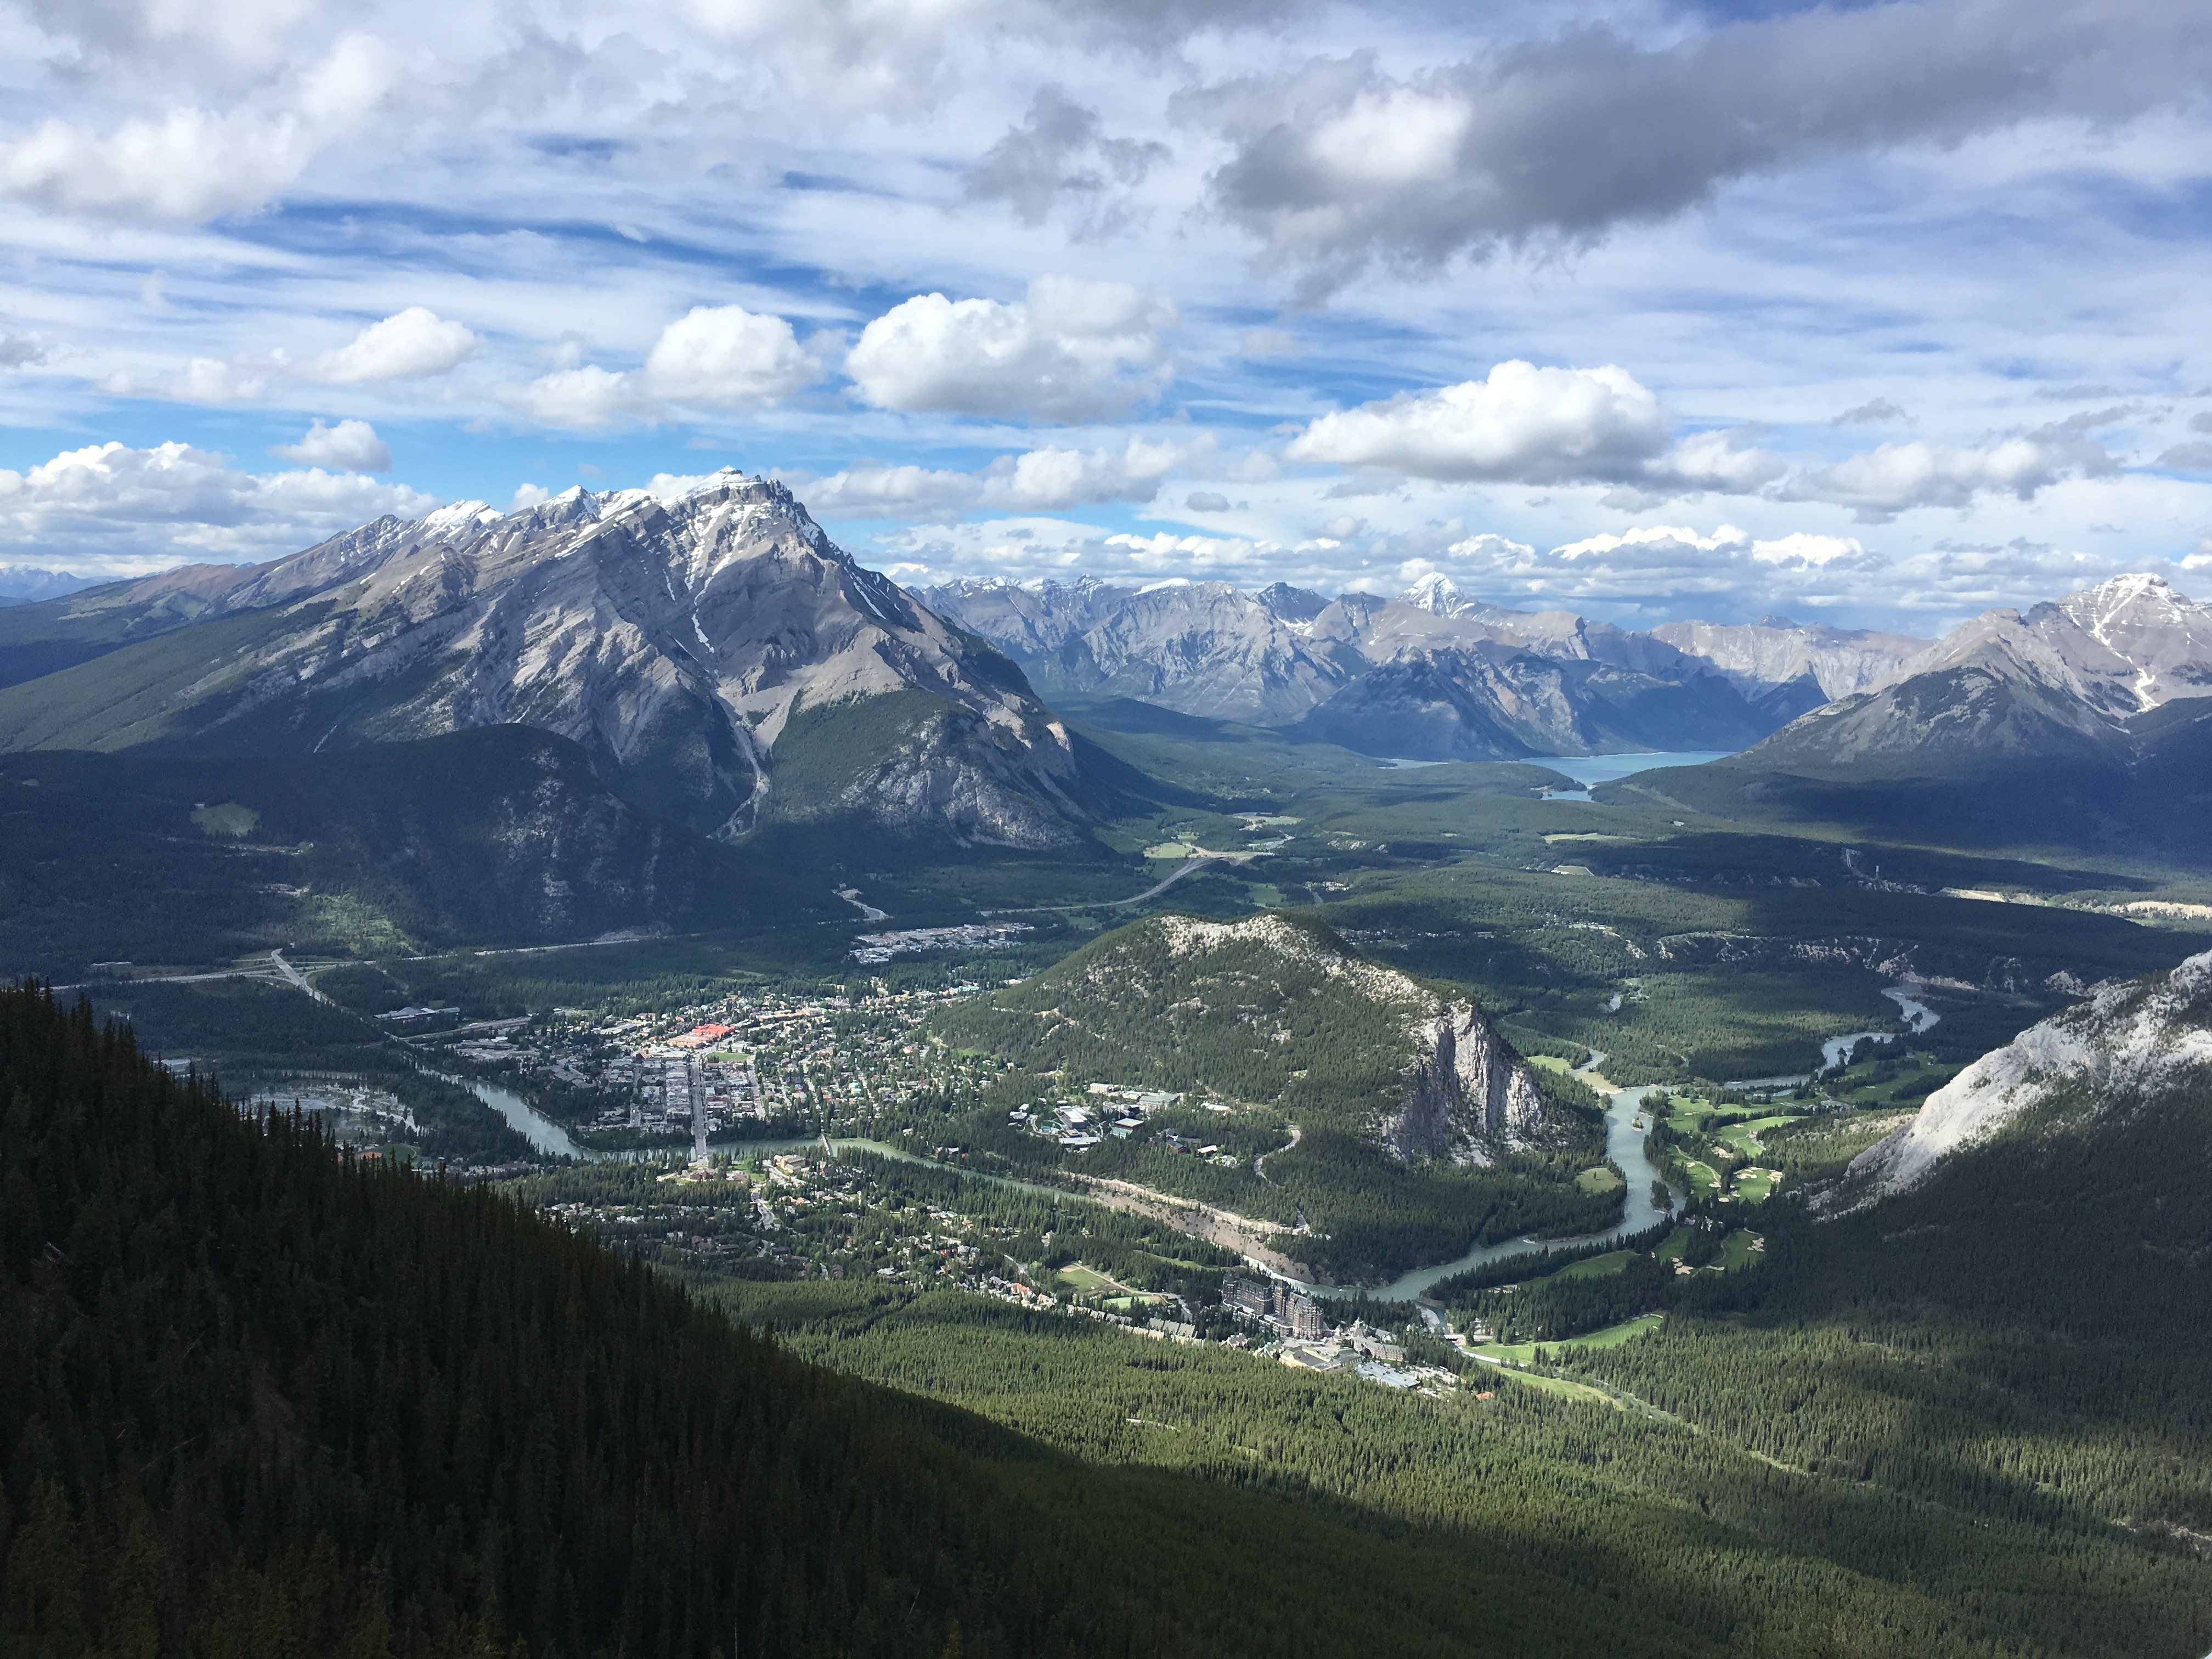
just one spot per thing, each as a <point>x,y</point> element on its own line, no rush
<point>1872,314</point>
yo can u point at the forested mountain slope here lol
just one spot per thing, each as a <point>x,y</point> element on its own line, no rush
<point>720,659</point>
<point>1396,1126</point>
<point>498,837</point>
<point>1274,1009</point>
<point>255,1400</point>
<point>2133,1050</point>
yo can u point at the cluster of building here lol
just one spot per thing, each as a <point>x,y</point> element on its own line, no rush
<point>1281,1306</point>
<point>705,1068</point>
<point>969,936</point>
<point>1104,1110</point>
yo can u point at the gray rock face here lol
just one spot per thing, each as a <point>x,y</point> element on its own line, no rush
<point>2122,647</point>
<point>2127,1046</point>
<point>677,641</point>
<point>1468,1085</point>
<point>1429,674</point>
<point>1776,654</point>
<point>2057,683</point>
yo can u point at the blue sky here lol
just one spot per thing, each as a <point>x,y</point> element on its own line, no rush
<point>1879,314</point>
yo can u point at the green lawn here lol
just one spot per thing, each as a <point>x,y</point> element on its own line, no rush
<point>1526,1353</point>
<point>1089,1281</point>
<point>1737,1251</point>
<point>1597,1180</point>
<point>1597,1266</point>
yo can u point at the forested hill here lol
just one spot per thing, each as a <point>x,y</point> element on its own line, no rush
<point>258,1399</point>
<point>1273,1008</point>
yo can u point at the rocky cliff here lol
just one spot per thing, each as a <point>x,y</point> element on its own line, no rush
<point>1468,1085</point>
<point>2125,1050</point>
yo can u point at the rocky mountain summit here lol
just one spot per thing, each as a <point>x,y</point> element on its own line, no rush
<point>720,661</point>
<point>2069,680</point>
<point>1779,662</point>
<point>1470,1085</point>
<point>2129,1049</point>
<point>1428,675</point>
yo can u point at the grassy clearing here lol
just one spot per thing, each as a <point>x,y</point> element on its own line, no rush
<point>1739,1249</point>
<point>1536,1353</point>
<point>1598,1180</point>
<point>1597,1266</point>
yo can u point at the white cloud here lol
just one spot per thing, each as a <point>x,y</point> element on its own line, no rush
<point>1072,350</point>
<point>726,357</point>
<point>23,351</point>
<point>1801,547</point>
<point>714,358</point>
<point>190,163</point>
<point>1045,479</point>
<point>1052,478</point>
<point>1708,460</point>
<point>1667,542</point>
<point>111,509</point>
<point>351,446</point>
<point>1881,482</point>
<point>407,345</point>
<point>1523,424</point>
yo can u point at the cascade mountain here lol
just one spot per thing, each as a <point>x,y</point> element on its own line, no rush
<point>722,663</point>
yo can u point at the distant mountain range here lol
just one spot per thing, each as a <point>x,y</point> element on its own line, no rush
<point>2084,721</point>
<point>1430,674</point>
<point>720,661</point>
<point>22,584</point>
<point>725,667</point>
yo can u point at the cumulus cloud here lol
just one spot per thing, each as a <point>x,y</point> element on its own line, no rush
<point>714,358</point>
<point>1800,549</point>
<point>1050,478</point>
<point>1071,351</point>
<point>1060,152</point>
<point>1895,478</point>
<point>350,446</point>
<point>2188,457</point>
<point>1523,424</point>
<point>1038,480</point>
<point>189,163</point>
<point>1206,501</point>
<point>1340,164</point>
<point>407,345</point>
<point>111,509</point>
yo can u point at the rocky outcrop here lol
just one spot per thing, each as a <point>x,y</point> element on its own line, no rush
<point>2123,1048</point>
<point>1468,1085</point>
<point>1777,657</point>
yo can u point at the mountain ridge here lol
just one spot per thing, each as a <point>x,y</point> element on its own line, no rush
<point>675,640</point>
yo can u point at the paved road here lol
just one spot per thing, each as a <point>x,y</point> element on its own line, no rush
<point>298,978</point>
<point>1152,892</point>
